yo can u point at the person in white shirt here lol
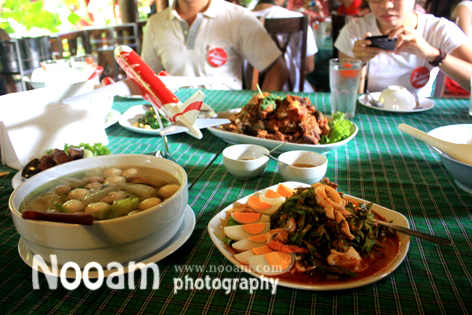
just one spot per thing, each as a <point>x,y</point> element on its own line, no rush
<point>424,44</point>
<point>273,9</point>
<point>211,38</point>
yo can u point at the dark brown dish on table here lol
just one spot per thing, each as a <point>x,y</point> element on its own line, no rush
<point>293,119</point>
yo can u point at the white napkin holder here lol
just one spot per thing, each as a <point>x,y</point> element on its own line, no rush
<point>35,121</point>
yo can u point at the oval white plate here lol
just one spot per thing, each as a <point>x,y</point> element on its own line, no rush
<point>112,118</point>
<point>236,138</point>
<point>182,235</point>
<point>215,229</point>
<point>132,115</point>
<point>425,103</point>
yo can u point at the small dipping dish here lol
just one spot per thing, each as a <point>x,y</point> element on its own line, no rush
<point>245,161</point>
<point>303,166</point>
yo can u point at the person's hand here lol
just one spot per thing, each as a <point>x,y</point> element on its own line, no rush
<point>362,51</point>
<point>408,40</point>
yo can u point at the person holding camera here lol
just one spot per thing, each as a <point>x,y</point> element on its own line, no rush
<point>421,46</point>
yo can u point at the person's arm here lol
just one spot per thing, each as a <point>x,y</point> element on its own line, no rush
<point>364,53</point>
<point>464,20</point>
<point>309,64</point>
<point>457,65</point>
<point>276,76</point>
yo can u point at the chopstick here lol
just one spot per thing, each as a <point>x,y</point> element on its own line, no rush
<point>428,237</point>
<point>72,218</point>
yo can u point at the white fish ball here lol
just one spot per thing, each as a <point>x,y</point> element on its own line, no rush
<point>112,172</point>
<point>168,190</point>
<point>74,205</point>
<point>78,193</point>
<point>149,203</point>
<point>115,180</point>
<point>63,189</point>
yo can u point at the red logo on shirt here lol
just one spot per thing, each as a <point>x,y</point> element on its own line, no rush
<point>217,57</point>
<point>419,77</point>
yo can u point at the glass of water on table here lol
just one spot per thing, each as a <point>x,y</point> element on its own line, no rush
<point>344,78</point>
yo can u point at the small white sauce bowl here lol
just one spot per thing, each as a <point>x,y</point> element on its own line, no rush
<point>397,98</point>
<point>308,175</point>
<point>245,161</point>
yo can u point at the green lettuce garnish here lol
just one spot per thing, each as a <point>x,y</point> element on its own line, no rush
<point>95,150</point>
<point>340,129</point>
<point>268,100</point>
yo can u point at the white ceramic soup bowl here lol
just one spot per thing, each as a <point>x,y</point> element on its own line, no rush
<point>397,98</point>
<point>461,172</point>
<point>302,166</point>
<point>245,161</point>
<point>124,239</point>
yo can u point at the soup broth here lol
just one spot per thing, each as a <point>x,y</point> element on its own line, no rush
<point>105,193</point>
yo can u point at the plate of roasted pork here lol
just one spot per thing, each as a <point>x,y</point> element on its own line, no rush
<point>269,120</point>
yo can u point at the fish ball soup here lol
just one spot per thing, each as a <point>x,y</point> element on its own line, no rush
<point>105,193</point>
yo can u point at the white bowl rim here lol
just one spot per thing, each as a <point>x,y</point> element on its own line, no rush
<point>245,145</point>
<point>16,213</point>
<point>303,151</point>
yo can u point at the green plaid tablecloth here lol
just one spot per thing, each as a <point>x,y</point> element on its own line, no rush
<point>380,164</point>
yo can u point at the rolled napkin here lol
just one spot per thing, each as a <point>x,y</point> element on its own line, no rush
<point>35,121</point>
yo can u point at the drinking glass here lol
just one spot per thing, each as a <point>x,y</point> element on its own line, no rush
<point>344,78</point>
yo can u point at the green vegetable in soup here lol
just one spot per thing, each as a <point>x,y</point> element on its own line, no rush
<point>60,207</point>
<point>122,207</point>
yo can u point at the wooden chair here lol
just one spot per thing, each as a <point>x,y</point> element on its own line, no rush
<point>440,91</point>
<point>287,27</point>
<point>141,25</point>
<point>127,34</point>
<point>337,23</point>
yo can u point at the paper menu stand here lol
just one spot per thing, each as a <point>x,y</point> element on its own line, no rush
<point>36,121</point>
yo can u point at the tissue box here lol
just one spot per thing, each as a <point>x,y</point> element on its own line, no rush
<point>35,121</point>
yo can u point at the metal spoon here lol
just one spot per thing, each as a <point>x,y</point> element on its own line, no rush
<point>30,169</point>
<point>372,101</point>
<point>460,152</point>
<point>418,105</point>
<point>428,237</point>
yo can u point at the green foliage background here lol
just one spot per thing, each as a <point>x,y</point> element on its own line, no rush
<point>31,14</point>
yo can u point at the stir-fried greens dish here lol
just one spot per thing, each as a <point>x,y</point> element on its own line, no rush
<point>291,118</point>
<point>149,120</point>
<point>313,232</point>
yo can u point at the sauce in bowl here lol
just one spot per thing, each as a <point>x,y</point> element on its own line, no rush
<point>303,165</point>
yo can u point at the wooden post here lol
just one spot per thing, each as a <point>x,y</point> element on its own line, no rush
<point>129,11</point>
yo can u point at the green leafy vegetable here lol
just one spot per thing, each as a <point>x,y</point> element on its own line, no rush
<point>340,129</point>
<point>227,241</point>
<point>60,207</point>
<point>232,222</point>
<point>96,149</point>
<point>319,234</point>
<point>122,207</point>
<point>268,100</point>
<point>150,118</point>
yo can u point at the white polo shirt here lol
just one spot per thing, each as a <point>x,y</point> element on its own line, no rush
<point>214,46</point>
<point>404,69</point>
